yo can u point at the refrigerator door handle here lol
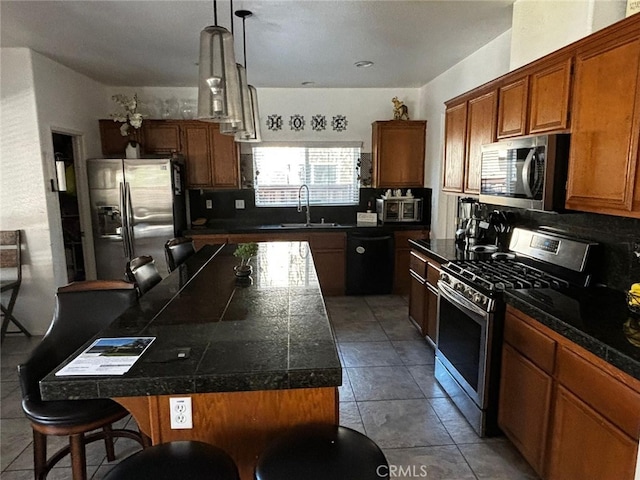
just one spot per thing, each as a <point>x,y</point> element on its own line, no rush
<point>124,223</point>
<point>129,207</point>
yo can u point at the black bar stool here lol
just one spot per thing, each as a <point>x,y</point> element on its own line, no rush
<point>177,251</point>
<point>184,460</point>
<point>321,452</point>
<point>82,310</point>
<point>143,272</point>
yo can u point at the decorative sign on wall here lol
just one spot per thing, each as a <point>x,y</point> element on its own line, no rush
<point>318,123</point>
<point>296,122</point>
<point>339,123</point>
<point>274,122</point>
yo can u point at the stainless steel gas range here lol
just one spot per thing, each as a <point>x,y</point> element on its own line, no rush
<point>471,314</point>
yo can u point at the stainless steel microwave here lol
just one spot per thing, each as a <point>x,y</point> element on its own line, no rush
<point>399,209</point>
<point>526,172</point>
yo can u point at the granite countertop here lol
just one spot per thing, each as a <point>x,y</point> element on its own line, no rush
<point>270,332</point>
<point>222,227</point>
<point>446,250</point>
<point>593,318</point>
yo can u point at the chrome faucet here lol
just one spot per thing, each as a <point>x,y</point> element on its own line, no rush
<point>300,202</point>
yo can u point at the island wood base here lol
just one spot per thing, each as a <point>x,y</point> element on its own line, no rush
<point>241,423</point>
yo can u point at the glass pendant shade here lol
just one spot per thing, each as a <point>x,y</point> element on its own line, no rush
<point>218,83</point>
<point>247,135</point>
<point>233,128</point>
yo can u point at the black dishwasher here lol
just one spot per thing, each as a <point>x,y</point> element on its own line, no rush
<point>369,263</point>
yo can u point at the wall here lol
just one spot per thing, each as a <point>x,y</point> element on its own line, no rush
<point>484,65</point>
<point>40,96</point>
<point>542,26</point>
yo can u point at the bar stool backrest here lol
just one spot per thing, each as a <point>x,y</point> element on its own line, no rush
<point>82,310</point>
<point>177,251</point>
<point>143,272</point>
<point>10,256</point>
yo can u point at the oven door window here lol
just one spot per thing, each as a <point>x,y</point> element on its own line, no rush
<point>461,341</point>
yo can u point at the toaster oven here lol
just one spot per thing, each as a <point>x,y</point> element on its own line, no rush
<point>399,209</point>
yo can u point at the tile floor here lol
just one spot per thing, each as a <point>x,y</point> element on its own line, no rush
<point>389,393</point>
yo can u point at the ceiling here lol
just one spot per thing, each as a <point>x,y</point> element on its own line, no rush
<point>155,43</point>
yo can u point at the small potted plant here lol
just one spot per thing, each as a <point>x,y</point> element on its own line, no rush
<point>244,252</point>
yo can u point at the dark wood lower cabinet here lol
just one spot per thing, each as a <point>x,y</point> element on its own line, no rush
<point>417,298</point>
<point>525,405</point>
<point>586,445</point>
<point>572,415</point>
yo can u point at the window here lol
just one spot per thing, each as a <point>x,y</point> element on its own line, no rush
<point>330,172</point>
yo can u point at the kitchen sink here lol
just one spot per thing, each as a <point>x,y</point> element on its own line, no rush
<point>309,225</point>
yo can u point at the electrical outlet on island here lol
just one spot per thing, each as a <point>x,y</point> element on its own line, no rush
<point>209,204</point>
<point>240,204</point>
<point>180,413</point>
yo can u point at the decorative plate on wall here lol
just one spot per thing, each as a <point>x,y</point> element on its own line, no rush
<point>296,122</point>
<point>318,123</point>
<point>339,123</point>
<point>274,122</point>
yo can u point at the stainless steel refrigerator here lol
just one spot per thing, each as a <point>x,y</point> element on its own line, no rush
<point>136,206</point>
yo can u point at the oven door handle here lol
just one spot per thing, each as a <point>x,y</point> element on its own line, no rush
<point>461,302</point>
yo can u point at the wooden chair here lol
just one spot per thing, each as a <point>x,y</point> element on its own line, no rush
<point>177,251</point>
<point>11,264</point>
<point>82,310</point>
<point>142,271</point>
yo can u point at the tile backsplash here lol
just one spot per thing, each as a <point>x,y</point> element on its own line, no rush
<point>224,213</point>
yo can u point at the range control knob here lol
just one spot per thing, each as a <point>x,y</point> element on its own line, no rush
<point>445,277</point>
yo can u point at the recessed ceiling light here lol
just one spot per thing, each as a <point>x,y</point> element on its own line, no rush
<point>308,83</point>
<point>363,64</point>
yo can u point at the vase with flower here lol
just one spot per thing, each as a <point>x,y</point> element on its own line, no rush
<point>131,121</point>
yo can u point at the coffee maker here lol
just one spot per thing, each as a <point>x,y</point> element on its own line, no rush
<point>466,207</point>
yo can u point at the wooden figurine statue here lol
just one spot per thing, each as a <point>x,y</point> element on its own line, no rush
<point>400,110</point>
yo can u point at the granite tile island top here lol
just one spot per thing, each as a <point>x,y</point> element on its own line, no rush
<point>262,355</point>
<point>268,331</point>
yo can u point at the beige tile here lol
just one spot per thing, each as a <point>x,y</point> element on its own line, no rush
<point>432,463</point>
<point>497,460</point>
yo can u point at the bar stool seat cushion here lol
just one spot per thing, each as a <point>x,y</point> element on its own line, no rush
<point>184,460</point>
<point>320,452</point>
<point>70,412</point>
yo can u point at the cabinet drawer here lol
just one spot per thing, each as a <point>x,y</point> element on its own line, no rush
<point>599,389</point>
<point>433,272</point>
<point>533,344</point>
<point>418,264</point>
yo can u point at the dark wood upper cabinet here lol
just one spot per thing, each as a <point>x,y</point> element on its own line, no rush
<point>398,149</point>
<point>604,171</point>
<point>481,129</point>
<point>455,145</point>
<point>161,137</point>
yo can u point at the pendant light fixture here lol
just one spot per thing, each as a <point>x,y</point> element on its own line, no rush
<point>218,83</point>
<point>251,132</point>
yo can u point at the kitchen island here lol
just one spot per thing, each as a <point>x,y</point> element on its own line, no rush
<point>260,352</point>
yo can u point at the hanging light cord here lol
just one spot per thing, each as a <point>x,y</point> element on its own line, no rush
<point>231,14</point>
<point>244,43</point>
<point>215,13</point>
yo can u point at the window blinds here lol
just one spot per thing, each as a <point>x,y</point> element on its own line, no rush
<point>330,172</point>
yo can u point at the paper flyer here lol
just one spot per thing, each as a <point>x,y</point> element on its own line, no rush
<point>107,356</point>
